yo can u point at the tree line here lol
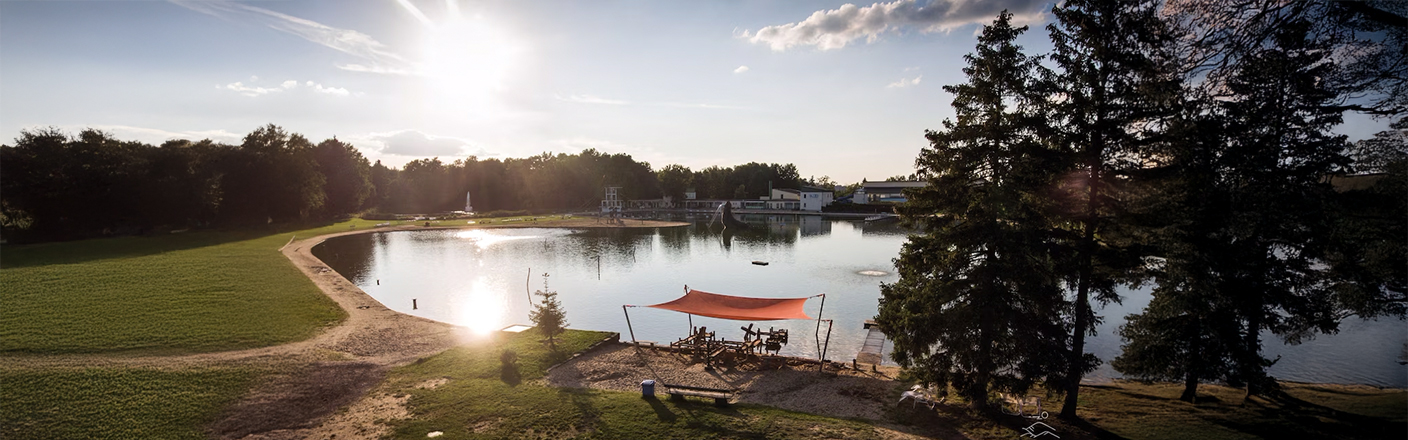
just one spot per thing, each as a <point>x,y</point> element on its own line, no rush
<point>54,186</point>
<point>1183,144</point>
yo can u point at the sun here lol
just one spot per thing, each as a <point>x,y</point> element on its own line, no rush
<point>468,58</point>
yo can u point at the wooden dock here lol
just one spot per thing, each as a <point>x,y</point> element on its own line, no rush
<point>870,352</point>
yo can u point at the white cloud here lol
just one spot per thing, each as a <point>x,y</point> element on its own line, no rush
<point>589,99</point>
<point>339,91</point>
<point>346,41</point>
<point>905,82</point>
<point>740,69</point>
<point>376,69</point>
<point>256,91</point>
<point>250,91</point>
<point>835,28</point>
<point>414,143</point>
<point>157,136</point>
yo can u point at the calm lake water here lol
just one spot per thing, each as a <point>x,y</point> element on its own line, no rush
<point>480,279</point>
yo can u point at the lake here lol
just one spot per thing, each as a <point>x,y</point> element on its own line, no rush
<point>481,278</point>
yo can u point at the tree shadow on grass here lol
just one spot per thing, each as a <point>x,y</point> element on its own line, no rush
<point>662,412</point>
<point>1285,416</point>
<point>510,375</point>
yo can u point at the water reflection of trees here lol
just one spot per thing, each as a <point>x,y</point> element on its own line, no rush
<point>350,255</point>
<point>616,244</point>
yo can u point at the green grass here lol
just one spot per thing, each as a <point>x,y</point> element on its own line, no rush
<point>115,403</point>
<point>179,293</point>
<point>482,401</point>
<point>1153,412</point>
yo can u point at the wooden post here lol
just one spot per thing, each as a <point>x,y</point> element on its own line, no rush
<point>818,331</point>
<point>628,323</point>
<point>526,290</point>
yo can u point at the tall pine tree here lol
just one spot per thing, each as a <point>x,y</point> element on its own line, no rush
<point>1113,90</point>
<point>978,304</point>
<point>1279,153</point>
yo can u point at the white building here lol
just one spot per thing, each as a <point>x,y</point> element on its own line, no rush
<point>805,199</point>
<point>611,202</point>
<point>890,192</point>
<point>813,199</point>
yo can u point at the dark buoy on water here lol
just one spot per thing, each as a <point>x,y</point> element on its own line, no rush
<point>413,304</point>
<point>760,263</point>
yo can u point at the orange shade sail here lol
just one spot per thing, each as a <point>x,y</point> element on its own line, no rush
<point>738,308</point>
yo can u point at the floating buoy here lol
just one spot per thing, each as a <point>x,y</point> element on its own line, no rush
<point>761,263</point>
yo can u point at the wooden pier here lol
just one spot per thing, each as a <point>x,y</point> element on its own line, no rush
<point>871,352</point>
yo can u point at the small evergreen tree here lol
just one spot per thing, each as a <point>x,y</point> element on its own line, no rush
<point>548,315</point>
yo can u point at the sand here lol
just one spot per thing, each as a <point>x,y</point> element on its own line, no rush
<point>798,386</point>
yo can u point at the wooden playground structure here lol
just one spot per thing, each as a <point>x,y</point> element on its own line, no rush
<point>703,346</point>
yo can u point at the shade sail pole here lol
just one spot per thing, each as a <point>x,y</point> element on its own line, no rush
<point>628,323</point>
<point>818,330</point>
<point>829,324</point>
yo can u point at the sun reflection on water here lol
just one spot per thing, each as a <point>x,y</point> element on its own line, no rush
<point>481,309</point>
<point>483,239</point>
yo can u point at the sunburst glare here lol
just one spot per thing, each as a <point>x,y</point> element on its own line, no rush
<point>481,309</point>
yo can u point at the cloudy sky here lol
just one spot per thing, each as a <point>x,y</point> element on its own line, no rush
<point>842,90</point>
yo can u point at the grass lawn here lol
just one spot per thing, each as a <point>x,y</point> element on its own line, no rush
<point>481,400</point>
<point>1153,412</point>
<point>115,403</point>
<point>179,293</point>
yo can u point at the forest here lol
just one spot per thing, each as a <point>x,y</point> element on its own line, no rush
<point>1186,145</point>
<point>61,187</point>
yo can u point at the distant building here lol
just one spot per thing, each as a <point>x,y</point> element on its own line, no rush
<point>784,199</point>
<point>689,194</point>
<point>884,192</point>
<point>611,202</point>
<point>813,199</point>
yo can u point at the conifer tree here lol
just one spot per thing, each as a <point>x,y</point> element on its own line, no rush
<point>547,315</point>
<point>1245,251</point>
<point>1279,152</point>
<point>1113,91</point>
<point>978,304</point>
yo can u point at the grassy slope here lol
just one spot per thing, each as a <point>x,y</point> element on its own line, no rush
<point>115,403</point>
<point>1153,411</point>
<point>180,293</point>
<point>480,396</point>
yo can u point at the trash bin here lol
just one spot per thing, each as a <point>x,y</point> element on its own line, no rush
<point>647,389</point>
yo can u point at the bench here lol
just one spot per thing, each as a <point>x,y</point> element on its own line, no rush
<point>678,392</point>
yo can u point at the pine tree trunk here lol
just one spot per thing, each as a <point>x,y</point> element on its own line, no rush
<point>1074,373</point>
<point>1251,363</point>
<point>1190,387</point>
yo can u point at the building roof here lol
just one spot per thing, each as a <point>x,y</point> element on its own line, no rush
<point>895,185</point>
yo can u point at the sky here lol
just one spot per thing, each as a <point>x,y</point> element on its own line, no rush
<point>841,90</point>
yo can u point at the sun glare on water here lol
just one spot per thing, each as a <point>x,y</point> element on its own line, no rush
<point>481,309</point>
<point>483,239</point>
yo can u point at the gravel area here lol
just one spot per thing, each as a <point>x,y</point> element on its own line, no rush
<point>797,386</point>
